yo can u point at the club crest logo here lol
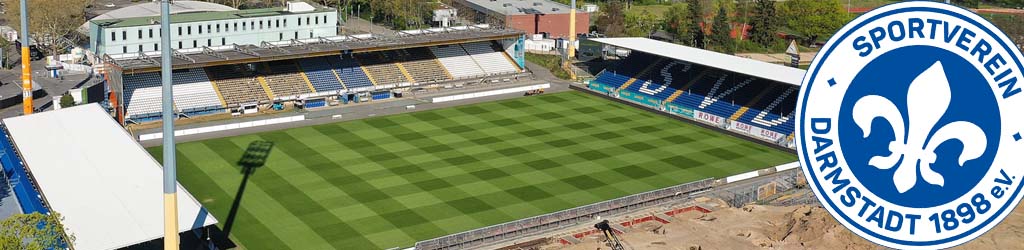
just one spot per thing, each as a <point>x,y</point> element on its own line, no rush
<point>909,125</point>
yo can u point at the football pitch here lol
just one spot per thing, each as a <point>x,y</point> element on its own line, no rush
<point>390,181</point>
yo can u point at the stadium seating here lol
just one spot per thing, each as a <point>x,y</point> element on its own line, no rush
<point>421,65</point>
<point>237,84</point>
<point>493,62</point>
<point>458,63</point>
<point>753,101</point>
<point>351,73</point>
<point>320,74</point>
<point>192,92</point>
<point>142,94</point>
<point>381,95</point>
<point>625,69</point>
<point>381,68</point>
<point>316,103</point>
<point>285,79</point>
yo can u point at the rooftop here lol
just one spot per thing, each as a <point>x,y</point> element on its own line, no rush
<point>763,70</point>
<point>92,172</point>
<point>197,15</point>
<point>519,7</point>
<point>234,54</point>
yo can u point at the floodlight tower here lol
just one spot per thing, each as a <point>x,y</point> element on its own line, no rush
<point>170,180</point>
<point>571,48</point>
<point>26,63</point>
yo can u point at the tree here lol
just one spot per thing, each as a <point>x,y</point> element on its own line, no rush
<point>677,22</point>
<point>33,231</point>
<point>232,3</point>
<point>696,11</point>
<point>640,25</point>
<point>813,18</point>
<point>762,26</point>
<point>612,21</point>
<point>720,32</point>
<point>50,21</point>
<point>967,3</point>
<point>67,101</point>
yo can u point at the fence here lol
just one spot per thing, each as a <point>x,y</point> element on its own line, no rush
<point>565,218</point>
<point>744,192</point>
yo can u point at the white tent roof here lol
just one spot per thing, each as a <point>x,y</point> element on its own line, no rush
<point>107,187</point>
<point>708,58</point>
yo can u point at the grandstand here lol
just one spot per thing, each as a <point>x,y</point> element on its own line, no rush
<point>739,94</point>
<point>107,195</point>
<point>217,79</point>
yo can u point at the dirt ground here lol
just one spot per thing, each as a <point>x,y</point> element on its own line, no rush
<point>771,227</point>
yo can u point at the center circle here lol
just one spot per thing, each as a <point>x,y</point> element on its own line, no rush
<point>972,100</point>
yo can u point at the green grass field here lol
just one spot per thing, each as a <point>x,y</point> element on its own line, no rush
<point>390,181</point>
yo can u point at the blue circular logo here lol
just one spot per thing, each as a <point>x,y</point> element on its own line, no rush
<point>909,125</point>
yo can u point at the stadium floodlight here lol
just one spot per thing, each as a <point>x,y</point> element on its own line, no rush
<point>26,62</point>
<point>170,180</point>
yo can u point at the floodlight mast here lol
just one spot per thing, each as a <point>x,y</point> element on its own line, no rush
<point>170,180</point>
<point>26,63</point>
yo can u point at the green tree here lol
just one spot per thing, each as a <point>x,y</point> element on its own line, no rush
<point>720,32</point>
<point>612,21</point>
<point>696,11</point>
<point>762,24</point>
<point>813,19</point>
<point>67,101</point>
<point>33,231</point>
<point>967,3</point>
<point>677,22</point>
<point>640,25</point>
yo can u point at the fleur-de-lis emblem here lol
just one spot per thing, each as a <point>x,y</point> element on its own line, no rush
<point>928,98</point>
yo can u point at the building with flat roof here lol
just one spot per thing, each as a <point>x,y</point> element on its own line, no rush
<point>532,16</point>
<point>299,20</point>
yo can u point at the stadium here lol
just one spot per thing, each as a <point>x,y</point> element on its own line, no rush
<point>293,135</point>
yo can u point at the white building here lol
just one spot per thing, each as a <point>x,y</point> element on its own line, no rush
<point>299,20</point>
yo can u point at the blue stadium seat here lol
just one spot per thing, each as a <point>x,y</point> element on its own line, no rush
<point>350,72</point>
<point>318,71</point>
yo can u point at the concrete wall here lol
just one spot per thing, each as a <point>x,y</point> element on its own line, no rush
<point>249,31</point>
<point>556,25</point>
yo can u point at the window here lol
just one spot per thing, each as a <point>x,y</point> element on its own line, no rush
<point>140,47</point>
<point>252,25</point>
<point>208,28</point>
<point>223,41</point>
<point>209,42</point>
<point>200,29</point>
<point>307,20</point>
<point>179,32</point>
<point>195,44</point>
<point>124,49</point>
<point>261,24</point>
<point>300,21</point>
<point>218,28</point>
<point>296,35</point>
<point>179,44</point>
<point>124,35</point>
<point>189,30</point>
<point>113,36</point>
<point>316,20</point>
<point>140,34</point>
<point>236,26</point>
<point>280,36</point>
<point>243,26</point>
<point>286,23</point>
<point>277,23</point>
<point>156,46</point>
<point>150,33</point>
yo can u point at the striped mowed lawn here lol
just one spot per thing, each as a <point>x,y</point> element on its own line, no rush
<point>390,181</point>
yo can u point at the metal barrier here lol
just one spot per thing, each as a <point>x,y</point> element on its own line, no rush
<point>565,218</point>
<point>744,192</point>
